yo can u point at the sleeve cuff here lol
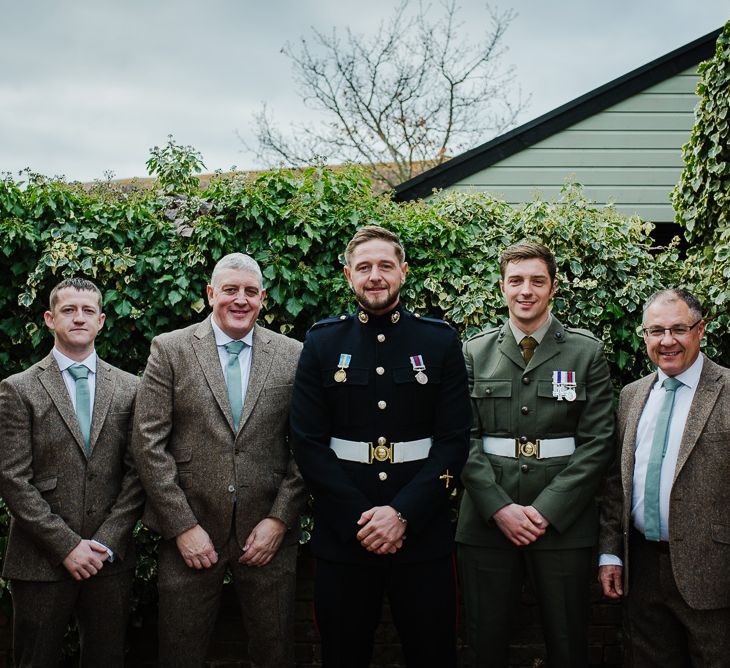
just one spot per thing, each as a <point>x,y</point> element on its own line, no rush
<point>609,560</point>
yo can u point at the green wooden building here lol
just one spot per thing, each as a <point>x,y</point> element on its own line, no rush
<point>622,141</point>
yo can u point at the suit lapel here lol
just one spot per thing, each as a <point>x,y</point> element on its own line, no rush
<point>206,352</point>
<point>261,361</point>
<point>102,399</point>
<point>708,390</point>
<point>628,447</point>
<point>52,381</point>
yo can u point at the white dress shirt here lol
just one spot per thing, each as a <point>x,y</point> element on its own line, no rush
<point>244,357</point>
<point>644,435</point>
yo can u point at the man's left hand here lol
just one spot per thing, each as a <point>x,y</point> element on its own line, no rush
<point>382,532</point>
<point>263,542</point>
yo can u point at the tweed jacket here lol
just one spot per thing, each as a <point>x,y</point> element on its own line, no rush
<point>195,467</point>
<point>514,399</point>
<point>56,494</point>
<point>699,528</point>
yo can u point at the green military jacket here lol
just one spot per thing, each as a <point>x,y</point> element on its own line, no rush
<point>514,399</point>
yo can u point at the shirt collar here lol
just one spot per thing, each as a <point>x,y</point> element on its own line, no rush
<point>221,338</point>
<point>65,362</point>
<point>689,377</point>
<point>538,334</point>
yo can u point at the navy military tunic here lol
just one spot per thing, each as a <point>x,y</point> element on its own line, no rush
<point>381,401</point>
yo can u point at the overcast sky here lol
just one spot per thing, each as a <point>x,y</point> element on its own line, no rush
<point>88,86</point>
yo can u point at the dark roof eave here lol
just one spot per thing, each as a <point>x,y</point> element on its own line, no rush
<point>558,119</point>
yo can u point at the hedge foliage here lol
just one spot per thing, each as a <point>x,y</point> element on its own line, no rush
<point>702,196</point>
<point>151,251</point>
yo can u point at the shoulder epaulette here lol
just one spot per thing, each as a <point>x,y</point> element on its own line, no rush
<point>433,321</point>
<point>329,321</point>
<point>582,332</point>
<point>484,332</point>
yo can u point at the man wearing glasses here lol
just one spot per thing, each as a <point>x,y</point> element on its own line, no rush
<point>665,507</point>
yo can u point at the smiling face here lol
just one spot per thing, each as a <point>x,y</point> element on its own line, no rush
<point>527,289</point>
<point>236,299</point>
<point>672,353</point>
<point>375,275</point>
<point>75,320</point>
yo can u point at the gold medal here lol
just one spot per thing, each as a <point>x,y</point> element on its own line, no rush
<point>340,376</point>
<point>344,363</point>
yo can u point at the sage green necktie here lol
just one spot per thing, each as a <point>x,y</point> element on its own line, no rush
<point>527,346</point>
<point>80,374</point>
<point>233,380</point>
<point>652,526</point>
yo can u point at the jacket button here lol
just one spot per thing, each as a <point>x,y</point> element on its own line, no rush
<point>525,380</point>
<point>524,468</point>
<point>91,476</point>
<point>523,439</point>
<point>89,511</point>
<point>524,410</point>
<point>231,488</point>
<point>382,405</point>
<point>382,440</point>
<point>382,476</point>
<point>488,390</point>
<point>381,337</point>
<point>380,371</point>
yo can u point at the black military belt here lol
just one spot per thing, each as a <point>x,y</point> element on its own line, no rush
<point>540,448</point>
<point>381,451</point>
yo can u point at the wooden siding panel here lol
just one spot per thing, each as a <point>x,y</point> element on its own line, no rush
<point>622,139</point>
<point>609,120</point>
<point>603,176</point>
<point>657,103</point>
<point>574,158</point>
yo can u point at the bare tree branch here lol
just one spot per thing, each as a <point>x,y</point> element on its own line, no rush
<point>401,101</point>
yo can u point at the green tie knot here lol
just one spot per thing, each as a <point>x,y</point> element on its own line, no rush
<point>78,371</point>
<point>234,347</point>
<point>671,384</point>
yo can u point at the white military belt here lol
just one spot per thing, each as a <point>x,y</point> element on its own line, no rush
<point>381,451</point>
<point>540,448</point>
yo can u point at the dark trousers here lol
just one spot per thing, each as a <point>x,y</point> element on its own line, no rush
<point>348,603</point>
<point>661,630</point>
<point>491,585</point>
<point>190,599</point>
<point>42,611</point>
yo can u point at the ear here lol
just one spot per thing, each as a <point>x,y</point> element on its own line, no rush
<point>48,318</point>
<point>102,319</point>
<point>553,288</point>
<point>209,290</point>
<point>346,269</point>
<point>501,288</point>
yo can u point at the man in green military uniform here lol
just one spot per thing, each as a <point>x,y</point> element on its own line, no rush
<point>541,443</point>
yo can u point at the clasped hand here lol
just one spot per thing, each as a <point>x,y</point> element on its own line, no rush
<point>382,532</point>
<point>521,525</point>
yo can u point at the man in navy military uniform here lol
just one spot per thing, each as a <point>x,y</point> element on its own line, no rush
<point>380,422</point>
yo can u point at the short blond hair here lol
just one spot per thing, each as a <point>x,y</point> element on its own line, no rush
<point>370,232</point>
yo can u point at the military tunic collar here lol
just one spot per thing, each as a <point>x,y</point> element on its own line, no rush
<point>390,318</point>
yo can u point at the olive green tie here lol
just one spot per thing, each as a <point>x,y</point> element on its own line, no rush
<point>80,374</point>
<point>233,380</point>
<point>527,346</point>
<point>652,527</point>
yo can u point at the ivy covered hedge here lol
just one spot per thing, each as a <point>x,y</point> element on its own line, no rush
<point>151,251</point>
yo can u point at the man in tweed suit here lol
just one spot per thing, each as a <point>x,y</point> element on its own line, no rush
<point>665,532</point>
<point>210,440</point>
<point>70,484</point>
